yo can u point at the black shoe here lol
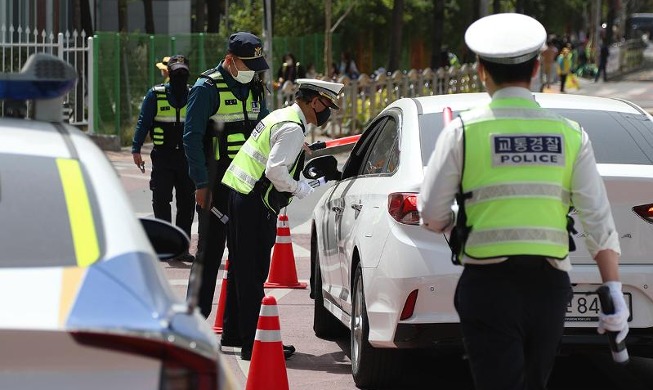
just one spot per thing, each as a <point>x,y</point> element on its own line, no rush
<point>246,354</point>
<point>186,258</point>
<point>230,342</point>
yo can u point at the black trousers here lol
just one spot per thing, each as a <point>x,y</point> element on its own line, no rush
<point>170,171</point>
<point>252,233</point>
<point>212,235</point>
<point>512,319</point>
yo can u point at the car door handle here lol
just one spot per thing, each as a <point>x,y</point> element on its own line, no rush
<point>357,207</point>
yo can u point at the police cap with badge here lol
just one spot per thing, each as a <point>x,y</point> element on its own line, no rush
<point>326,89</point>
<point>507,38</point>
<point>249,49</point>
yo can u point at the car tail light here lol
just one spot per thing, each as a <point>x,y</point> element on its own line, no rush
<point>645,211</point>
<point>402,206</point>
<point>409,306</point>
<point>182,369</point>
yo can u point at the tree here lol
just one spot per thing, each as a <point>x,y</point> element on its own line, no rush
<point>438,24</point>
<point>199,22</point>
<point>149,16</point>
<point>395,37</point>
<point>213,8</point>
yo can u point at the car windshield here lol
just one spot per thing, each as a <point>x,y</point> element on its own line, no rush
<point>49,214</point>
<point>617,138</point>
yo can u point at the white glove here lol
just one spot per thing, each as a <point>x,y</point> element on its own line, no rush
<point>303,190</point>
<point>617,322</point>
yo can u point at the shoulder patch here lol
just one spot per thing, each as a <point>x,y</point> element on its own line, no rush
<point>258,130</point>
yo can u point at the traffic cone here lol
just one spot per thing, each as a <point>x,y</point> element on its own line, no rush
<point>282,267</point>
<point>267,369</point>
<point>217,324</point>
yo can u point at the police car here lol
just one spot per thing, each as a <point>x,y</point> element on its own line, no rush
<point>84,301</point>
<point>389,283</point>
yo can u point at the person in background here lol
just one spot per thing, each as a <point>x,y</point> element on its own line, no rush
<point>511,231</point>
<point>348,66</point>
<point>163,67</point>
<point>565,65</point>
<point>162,116</point>
<point>263,178</point>
<point>290,70</point>
<point>604,53</point>
<point>548,61</point>
<point>224,105</point>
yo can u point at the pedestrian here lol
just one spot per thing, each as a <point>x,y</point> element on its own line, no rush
<point>264,178</point>
<point>162,116</point>
<point>224,105</point>
<point>163,67</point>
<point>290,70</point>
<point>511,231</point>
<point>548,63</point>
<point>604,53</point>
<point>348,66</point>
<point>565,65</point>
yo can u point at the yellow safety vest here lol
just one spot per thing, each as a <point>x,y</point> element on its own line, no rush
<point>247,171</point>
<point>236,116</point>
<point>168,128</point>
<point>517,179</point>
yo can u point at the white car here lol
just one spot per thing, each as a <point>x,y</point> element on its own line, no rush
<point>84,302</point>
<point>391,282</point>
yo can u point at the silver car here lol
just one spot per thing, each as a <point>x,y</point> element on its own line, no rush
<point>84,301</point>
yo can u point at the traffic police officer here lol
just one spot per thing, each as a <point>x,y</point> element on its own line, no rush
<point>224,105</point>
<point>162,115</point>
<point>515,169</point>
<point>264,177</point>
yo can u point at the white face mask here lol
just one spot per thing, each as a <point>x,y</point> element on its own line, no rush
<point>244,76</point>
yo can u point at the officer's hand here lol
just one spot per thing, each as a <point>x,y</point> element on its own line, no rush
<point>303,189</point>
<point>138,160</point>
<point>203,197</point>
<point>617,322</point>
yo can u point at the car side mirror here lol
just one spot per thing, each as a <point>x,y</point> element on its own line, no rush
<point>323,166</point>
<point>167,239</point>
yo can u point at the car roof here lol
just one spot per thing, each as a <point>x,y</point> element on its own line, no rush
<point>464,101</point>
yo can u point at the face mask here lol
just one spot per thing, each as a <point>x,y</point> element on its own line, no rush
<point>322,116</point>
<point>244,76</point>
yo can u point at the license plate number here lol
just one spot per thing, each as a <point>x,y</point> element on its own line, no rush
<point>585,307</point>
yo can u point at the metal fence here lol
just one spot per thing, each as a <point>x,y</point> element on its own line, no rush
<point>19,43</point>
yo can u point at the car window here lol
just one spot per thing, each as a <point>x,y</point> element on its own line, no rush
<point>353,164</point>
<point>617,138</point>
<point>49,214</point>
<point>383,156</point>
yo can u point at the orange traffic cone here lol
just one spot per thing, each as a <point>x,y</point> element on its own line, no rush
<point>267,369</point>
<point>217,324</point>
<point>282,268</point>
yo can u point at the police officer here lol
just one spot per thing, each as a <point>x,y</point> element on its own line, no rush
<point>224,105</point>
<point>264,177</point>
<point>515,169</point>
<point>163,67</point>
<point>162,117</point>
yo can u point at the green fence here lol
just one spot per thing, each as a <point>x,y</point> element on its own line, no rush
<point>124,68</point>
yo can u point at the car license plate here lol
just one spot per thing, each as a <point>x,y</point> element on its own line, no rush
<point>585,307</point>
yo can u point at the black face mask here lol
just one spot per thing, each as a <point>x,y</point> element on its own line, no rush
<point>322,116</point>
<point>178,85</point>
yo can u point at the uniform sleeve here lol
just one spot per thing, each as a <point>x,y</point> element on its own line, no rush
<point>145,121</point>
<point>202,103</point>
<point>286,144</point>
<point>442,177</point>
<point>590,199</point>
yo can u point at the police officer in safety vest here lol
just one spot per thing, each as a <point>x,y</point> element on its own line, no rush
<point>515,169</point>
<point>264,177</point>
<point>224,105</point>
<point>162,116</point>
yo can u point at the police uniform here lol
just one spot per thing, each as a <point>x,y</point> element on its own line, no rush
<point>263,178</point>
<point>515,170</point>
<point>162,116</point>
<point>221,115</point>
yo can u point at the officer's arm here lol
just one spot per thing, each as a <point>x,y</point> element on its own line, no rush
<point>145,121</point>
<point>286,144</point>
<point>202,101</point>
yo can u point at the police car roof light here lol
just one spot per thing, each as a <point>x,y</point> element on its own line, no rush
<point>43,76</point>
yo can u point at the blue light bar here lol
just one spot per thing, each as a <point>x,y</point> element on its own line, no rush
<point>43,76</point>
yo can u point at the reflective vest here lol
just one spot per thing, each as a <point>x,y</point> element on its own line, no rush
<point>236,117</point>
<point>517,179</point>
<point>168,129</point>
<point>247,171</point>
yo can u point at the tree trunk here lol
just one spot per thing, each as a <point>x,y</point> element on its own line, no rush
<point>149,16</point>
<point>612,9</point>
<point>496,6</point>
<point>395,37</point>
<point>125,109</point>
<point>213,15</point>
<point>77,16</point>
<point>438,29</point>
<point>87,21</point>
<point>200,16</point>
<point>122,15</point>
<point>327,37</point>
